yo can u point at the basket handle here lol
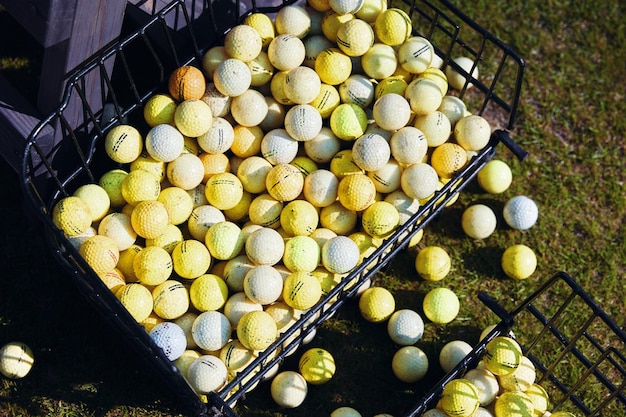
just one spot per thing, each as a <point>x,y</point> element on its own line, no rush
<point>503,136</point>
<point>493,305</point>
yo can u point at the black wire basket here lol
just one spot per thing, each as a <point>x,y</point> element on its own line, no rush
<point>65,150</point>
<point>581,363</point>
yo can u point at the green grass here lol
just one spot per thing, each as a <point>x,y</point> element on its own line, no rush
<point>571,121</point>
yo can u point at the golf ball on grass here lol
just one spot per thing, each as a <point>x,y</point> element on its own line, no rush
<point>441,305</point>
<point>520,212</point>
<point>376,304</point>
<point>478,221</point>
<point>452,353</point>
<point>409,364</point>
<point>405,327</point>
<point>519,261</point>
<point>289,389</point>
<point>495,177</point>
<point>16,360</point>
<point>433,263</point>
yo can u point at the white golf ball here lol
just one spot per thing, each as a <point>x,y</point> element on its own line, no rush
<point>171,338</point>
<point>520,212</point>
<point>405,327</point>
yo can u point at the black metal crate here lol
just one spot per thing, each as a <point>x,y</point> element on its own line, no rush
<point>179,34</point>
<point>580,362</point>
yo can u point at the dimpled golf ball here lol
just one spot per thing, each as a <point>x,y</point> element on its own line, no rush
<point>72,215</point>
<point>441,305</point>
<point>301,290</point>
<point>191,259</point>
<point>409,364</point>
<point>478,221</point>
<point>16,360</point>
<point>170,299</point>
<point>137,299</point>
<point>170,337</point>
<point>452,353</point>
<point>340,254</point>
<point>514,404</point>
<point>317,366</point>
<point>459,398</point>
<point>263,284</point>
<point>520,212</point>
<point>211,330</point>
<point>376,304</point>
<point>521,379</point>
<point>502,355</point>
<point>101,253</point>
<point>405,327</point>
<point>164,142</point>
<point>289,389</point>
<point>519,261</point>
<point>485,382</point>
<point>207,373</point>
<point>433,263</point>
<point>208,292</point>
<point>495,177</point>
<point>256,330</point>
<point>123,143</point>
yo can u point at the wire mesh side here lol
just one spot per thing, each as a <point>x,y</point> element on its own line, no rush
<point>495,92</point>
<point>577,349</point>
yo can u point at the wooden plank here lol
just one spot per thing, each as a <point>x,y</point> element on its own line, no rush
<point>96,24</point>
<point>48,21</point>
<point>18,118</point>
